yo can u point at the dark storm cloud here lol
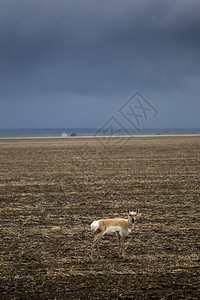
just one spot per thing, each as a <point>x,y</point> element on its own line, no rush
<point>54,54</point>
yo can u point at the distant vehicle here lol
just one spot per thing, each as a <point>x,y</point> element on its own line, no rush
<point>64,134</point>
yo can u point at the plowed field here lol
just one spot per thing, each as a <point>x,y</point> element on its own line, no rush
<point>52,189</point>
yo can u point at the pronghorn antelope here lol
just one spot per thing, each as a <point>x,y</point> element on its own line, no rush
<point>119,226</point>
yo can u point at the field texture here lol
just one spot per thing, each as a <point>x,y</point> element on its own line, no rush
<point>52,189</point>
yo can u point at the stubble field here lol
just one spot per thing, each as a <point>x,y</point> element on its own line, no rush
<point>52,189</point>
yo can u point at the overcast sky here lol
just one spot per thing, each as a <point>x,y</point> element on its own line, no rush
<point>75,63</point>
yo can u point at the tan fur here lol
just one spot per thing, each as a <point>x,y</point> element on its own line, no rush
<point>119,226</point>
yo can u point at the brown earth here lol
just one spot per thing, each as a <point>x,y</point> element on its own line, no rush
<point>52,189</point>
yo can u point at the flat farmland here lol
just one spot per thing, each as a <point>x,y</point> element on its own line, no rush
<point>52,189</point>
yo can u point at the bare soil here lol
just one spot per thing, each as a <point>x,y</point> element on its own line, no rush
<point>52,189</point>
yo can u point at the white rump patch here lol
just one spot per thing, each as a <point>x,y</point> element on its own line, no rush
<point>94,225</point>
